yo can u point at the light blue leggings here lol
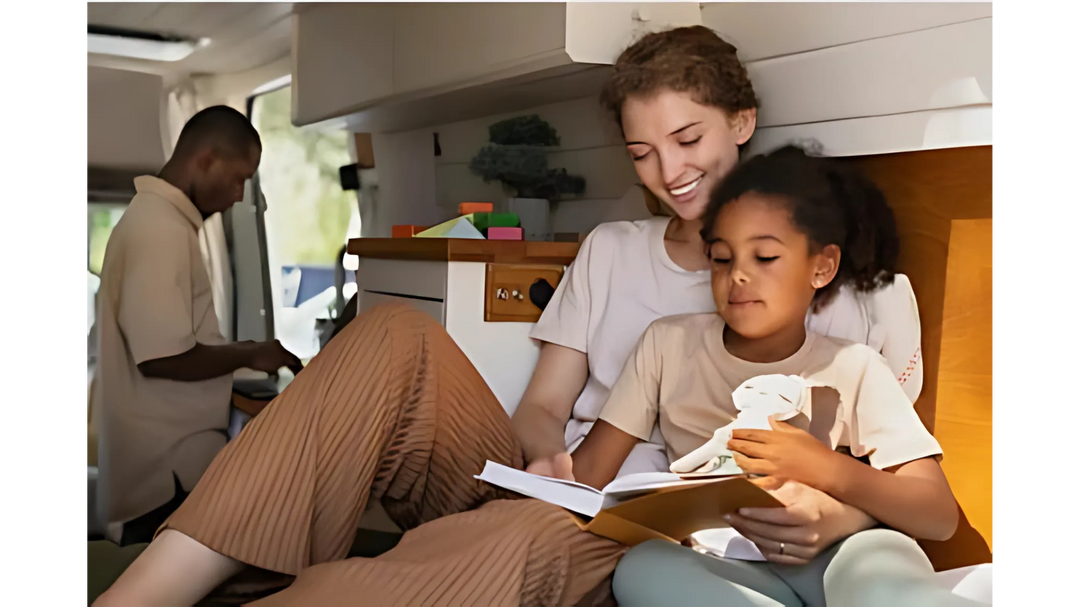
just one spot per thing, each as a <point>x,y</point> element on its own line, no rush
<point>878,568</point>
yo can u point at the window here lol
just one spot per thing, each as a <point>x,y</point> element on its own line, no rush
<point>98,219</point>
<point>101,219</point>
<point>307,219</point>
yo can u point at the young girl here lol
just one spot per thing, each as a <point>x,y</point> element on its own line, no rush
<point>783,233</point>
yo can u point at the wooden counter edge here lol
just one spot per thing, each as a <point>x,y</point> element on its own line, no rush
<point>463,249</point>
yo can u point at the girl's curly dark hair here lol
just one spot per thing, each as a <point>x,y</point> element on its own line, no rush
<point>831,202</point>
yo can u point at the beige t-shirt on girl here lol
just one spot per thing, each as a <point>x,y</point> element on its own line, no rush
<point>682,376</point>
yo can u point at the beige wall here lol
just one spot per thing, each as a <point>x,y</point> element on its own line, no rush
<point>124,119</point>
<point>133,117</point>
<point>590,146</point>
<point>414,185</point>
<point>234,89</point>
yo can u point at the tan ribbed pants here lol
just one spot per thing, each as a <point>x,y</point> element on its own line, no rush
<point>391,410</point>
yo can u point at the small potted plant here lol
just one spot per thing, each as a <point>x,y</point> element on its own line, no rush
<point>517,157</point>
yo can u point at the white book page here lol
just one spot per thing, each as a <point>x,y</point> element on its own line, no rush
<point>580,498</point>
<point>633,485</point>
<point>726,543</point>
<point>641,481</point>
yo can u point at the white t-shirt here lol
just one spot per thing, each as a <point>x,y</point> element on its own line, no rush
<point>623,279</point>
<point>887,320</point>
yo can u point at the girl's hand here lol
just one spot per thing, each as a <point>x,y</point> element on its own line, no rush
<point>811,522</point>
<point>559,466</point>
<point>785,452</point>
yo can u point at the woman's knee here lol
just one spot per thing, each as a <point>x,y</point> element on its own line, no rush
<point>390,325</point>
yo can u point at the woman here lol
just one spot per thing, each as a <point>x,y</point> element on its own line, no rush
<point>392,410</point>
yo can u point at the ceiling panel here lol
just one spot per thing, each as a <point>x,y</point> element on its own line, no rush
<point>269,44</point>
<point>177,17</point>
<point>133,15</point>
<point>225,17</point>
<point>254,22</point>
<point>243,35</point>
<point>100,12</point>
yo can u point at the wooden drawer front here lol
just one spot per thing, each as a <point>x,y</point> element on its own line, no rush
<point>506,292</point>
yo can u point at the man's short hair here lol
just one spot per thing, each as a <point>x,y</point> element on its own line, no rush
<point>228,131</point>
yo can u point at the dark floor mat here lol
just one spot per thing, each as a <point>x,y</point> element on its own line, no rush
<point>106,561</point>
<point>370,543</point>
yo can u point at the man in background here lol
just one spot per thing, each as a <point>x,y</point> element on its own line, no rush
<point>164,377</point>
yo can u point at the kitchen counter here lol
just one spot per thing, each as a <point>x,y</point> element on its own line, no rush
<point>478,290</point>
<point>463,249</point>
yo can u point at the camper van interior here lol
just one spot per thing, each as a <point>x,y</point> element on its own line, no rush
<point>376,121</point>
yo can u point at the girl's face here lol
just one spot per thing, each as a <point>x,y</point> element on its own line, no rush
<point>681,149</point>
<point>764,275</point>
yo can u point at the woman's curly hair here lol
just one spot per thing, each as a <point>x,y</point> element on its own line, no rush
<point>687,60</point>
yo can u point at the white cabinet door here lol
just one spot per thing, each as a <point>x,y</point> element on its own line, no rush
<point>421,279</point>
<point>342,58</point>
<point>420,284</point>
<point>351,57</point>
<point>597,32</point>
<point>438,44</point>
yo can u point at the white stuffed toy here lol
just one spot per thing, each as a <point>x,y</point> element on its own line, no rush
<point>783,396</point>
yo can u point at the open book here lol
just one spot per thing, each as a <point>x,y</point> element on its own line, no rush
<point>639,507</point>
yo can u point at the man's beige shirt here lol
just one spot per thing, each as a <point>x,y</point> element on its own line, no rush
<point>155,302</point>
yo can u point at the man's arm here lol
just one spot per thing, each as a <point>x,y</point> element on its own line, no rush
<point>204,362</point>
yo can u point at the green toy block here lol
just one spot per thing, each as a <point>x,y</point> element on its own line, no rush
<point>483,221</point>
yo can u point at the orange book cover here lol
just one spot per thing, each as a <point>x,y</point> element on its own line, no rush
<point>675,513</point>
<point>640,507</point>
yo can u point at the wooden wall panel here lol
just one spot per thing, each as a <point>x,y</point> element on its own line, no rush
<point>942,202</point>
<point>965,387</point>
<point>929,190</point>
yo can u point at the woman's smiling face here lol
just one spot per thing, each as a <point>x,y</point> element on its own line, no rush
<point>681,149</point>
